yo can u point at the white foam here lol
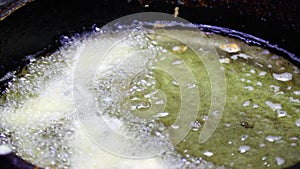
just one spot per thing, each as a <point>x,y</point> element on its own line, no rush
<point>283,76</point>
<point>273,138</point>
<point>297,122</point>
<point>274,106</point>
<point>59,86</point>
<point>279,160</point>
<point>244,148</point>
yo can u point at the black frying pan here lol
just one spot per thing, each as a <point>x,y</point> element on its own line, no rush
<point>38,25</point>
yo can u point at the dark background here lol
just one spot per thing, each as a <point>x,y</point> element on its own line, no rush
<point>39,23</point>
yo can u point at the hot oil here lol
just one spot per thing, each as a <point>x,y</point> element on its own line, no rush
<point>136,87</point>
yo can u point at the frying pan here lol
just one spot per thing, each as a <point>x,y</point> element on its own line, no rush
<point>28,27</point>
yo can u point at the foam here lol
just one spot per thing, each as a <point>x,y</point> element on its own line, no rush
<point>41,110</point>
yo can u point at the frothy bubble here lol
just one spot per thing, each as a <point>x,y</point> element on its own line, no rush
<point>61,106</point>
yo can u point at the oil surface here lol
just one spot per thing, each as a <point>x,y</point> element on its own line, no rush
<point>137,87</point>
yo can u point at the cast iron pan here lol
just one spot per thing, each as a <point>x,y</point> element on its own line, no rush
<point>38,25</point>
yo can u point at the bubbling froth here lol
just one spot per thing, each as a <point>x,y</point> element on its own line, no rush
<point>41,106</point>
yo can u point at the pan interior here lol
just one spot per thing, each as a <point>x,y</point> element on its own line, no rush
<point>61,109</point>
